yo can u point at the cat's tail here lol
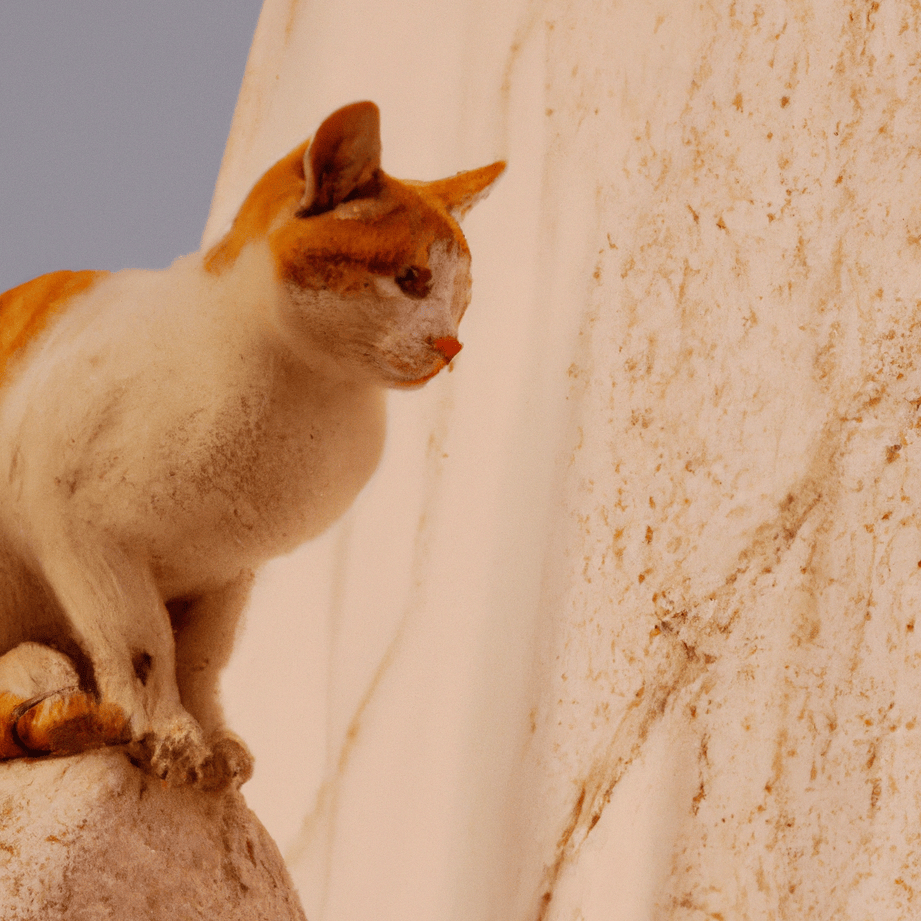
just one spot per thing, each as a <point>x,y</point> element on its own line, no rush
<point>59,722</point>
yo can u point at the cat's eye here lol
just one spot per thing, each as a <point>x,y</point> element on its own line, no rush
<point>414,281</point>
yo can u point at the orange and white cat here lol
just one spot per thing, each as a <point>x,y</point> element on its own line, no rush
<point>162,434</point>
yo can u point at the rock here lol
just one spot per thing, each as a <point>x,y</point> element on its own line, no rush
<point>91,837</point>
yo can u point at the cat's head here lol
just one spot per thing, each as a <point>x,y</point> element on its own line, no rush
<point>375,271</point>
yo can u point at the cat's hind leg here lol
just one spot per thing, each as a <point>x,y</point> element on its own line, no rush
<point>43,711</point>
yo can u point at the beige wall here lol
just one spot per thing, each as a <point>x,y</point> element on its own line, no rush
<point>624,626</point>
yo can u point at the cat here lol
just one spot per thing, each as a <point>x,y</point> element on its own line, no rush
<point>164,433</point>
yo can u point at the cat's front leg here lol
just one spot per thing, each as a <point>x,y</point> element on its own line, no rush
<point>121,623</point>
<point>204,627</point>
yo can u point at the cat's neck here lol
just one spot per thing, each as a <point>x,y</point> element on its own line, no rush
<point>249,291</point>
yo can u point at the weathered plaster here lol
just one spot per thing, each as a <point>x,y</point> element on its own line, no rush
<point>664,538</point>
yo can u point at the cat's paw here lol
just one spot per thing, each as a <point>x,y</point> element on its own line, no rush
<point>176,754</point>
<point>230,764</point>
<point>182,756</point>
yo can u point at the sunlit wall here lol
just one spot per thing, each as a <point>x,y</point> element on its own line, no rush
<point>624,626</point>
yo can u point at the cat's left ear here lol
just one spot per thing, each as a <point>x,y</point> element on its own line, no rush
<point>344,157</point>
<point>461,192</point>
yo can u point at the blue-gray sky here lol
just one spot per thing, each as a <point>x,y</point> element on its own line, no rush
<point>114,117</point>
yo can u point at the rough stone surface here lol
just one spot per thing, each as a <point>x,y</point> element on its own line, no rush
<point>91,837</point>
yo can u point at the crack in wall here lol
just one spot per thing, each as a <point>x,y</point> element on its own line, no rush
<point>693,636</point>
<point>326,804</point>
<point>596,791</point>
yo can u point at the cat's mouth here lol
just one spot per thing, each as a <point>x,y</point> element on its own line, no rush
<point>447,347</point>
<point>418,382</point>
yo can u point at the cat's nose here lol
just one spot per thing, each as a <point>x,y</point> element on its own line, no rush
<point>448,346</point>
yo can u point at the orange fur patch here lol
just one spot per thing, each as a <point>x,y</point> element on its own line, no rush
<point>277,192</point>
<point>338,253</point>
<point>330,251</point>
<point>67,721</point>
<point>461,192</point>
<point>26,309</point>
<point>9,748</point>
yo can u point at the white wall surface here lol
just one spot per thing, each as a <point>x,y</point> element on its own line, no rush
<point>624,625</point>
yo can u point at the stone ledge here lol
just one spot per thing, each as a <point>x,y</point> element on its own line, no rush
<point>91,837</point>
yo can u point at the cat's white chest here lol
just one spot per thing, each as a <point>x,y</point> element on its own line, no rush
<point>266,479</point>
<point>204,447</point>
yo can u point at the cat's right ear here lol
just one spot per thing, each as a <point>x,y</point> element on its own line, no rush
<point>460,193</point>
<point>343,160</point>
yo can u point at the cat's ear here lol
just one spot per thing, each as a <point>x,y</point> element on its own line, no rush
<point>461,192</point>
<point>343,159</point>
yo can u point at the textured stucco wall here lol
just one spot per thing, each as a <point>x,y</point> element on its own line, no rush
<point>625,625</point>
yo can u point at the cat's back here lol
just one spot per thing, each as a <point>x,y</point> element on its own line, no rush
<point>26,310</point>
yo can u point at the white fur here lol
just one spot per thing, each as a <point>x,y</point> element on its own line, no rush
<point>169,433</point>
<point>385,334</point>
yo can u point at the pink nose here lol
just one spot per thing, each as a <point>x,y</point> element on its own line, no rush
<point>448,346</point>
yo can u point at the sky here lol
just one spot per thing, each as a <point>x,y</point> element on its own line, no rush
<point>114,119</point>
